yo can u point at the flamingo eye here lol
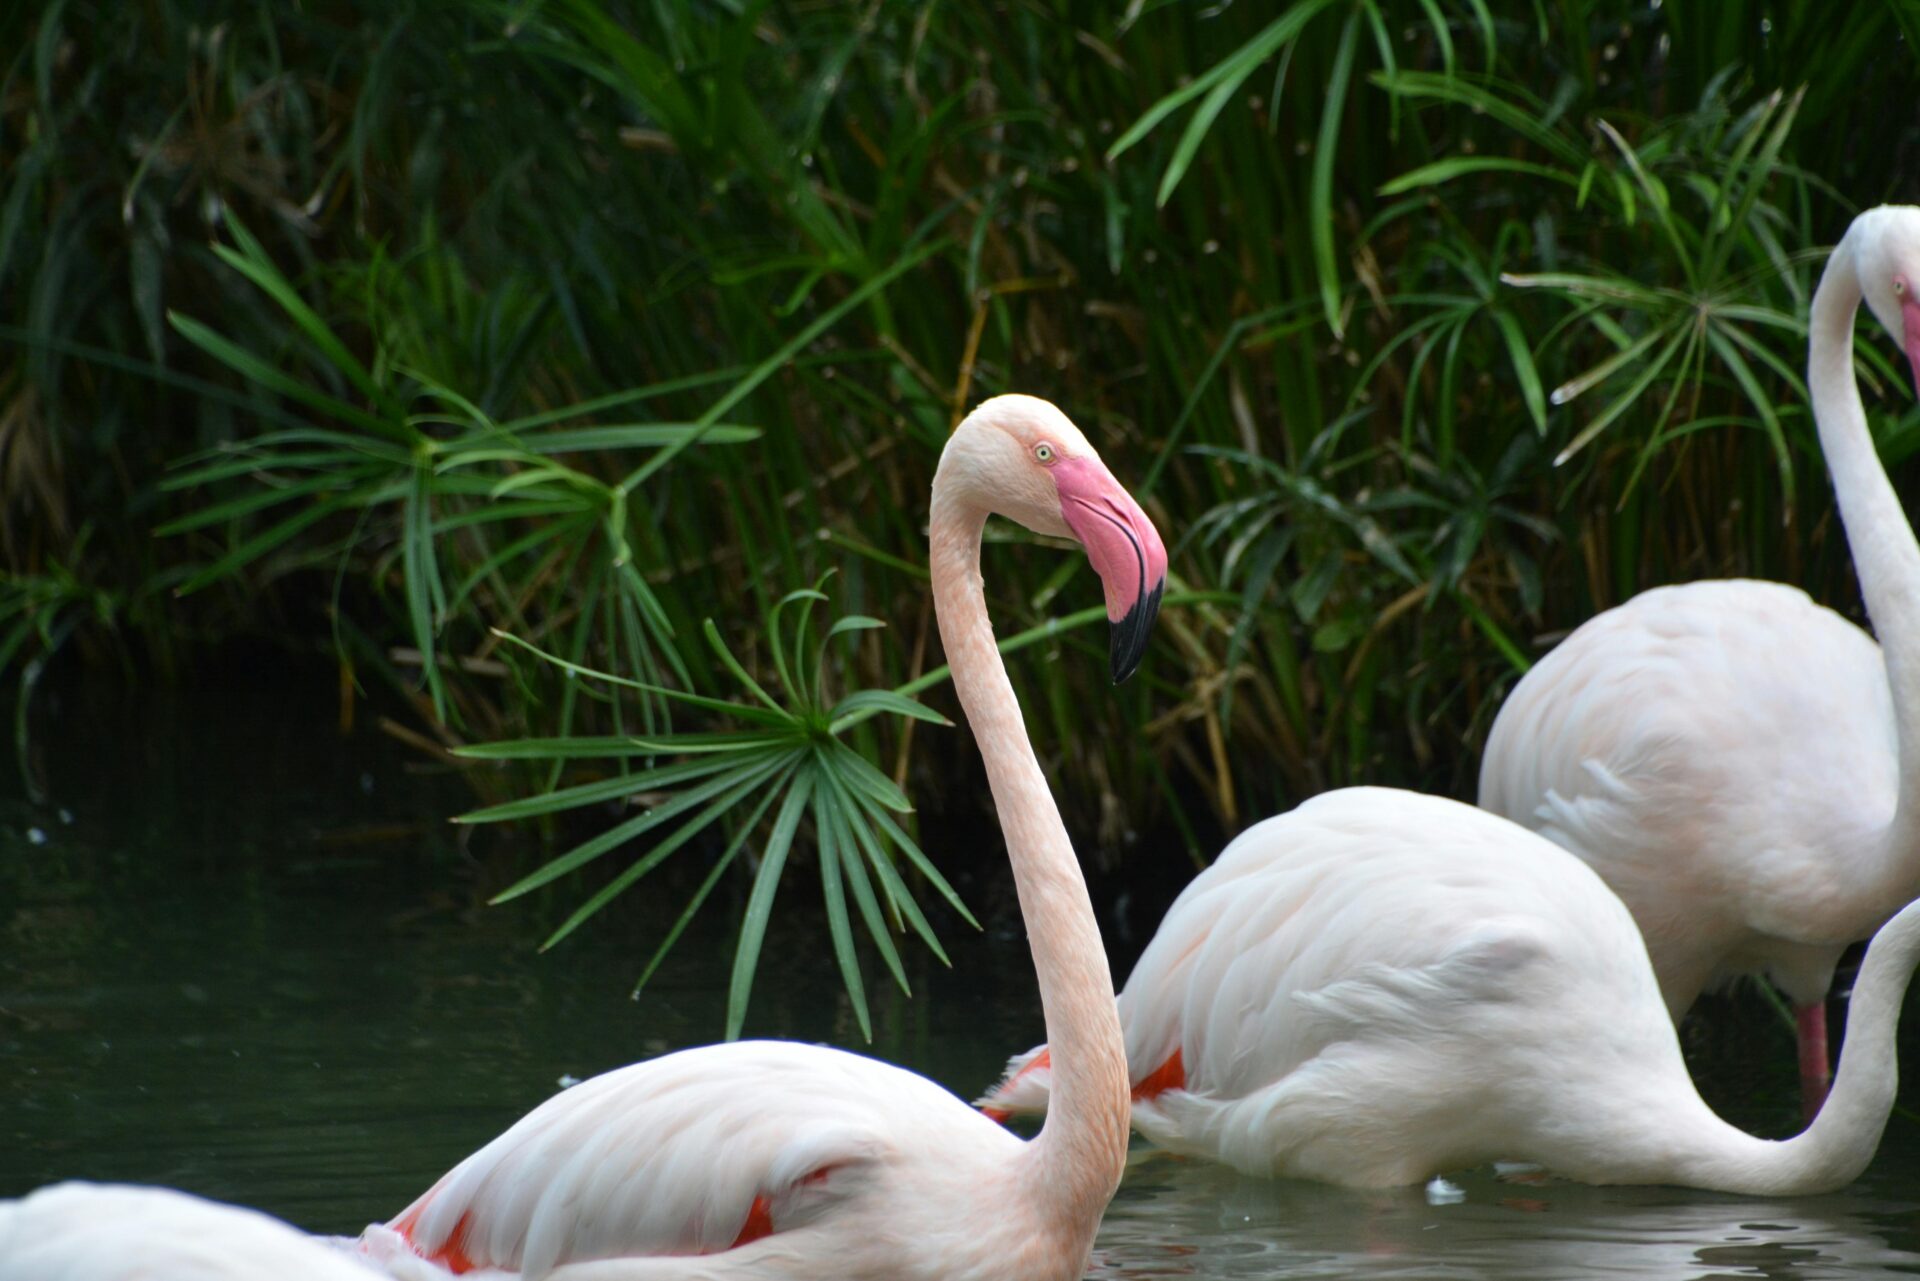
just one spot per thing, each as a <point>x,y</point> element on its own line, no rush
<point>1899,284</point>
<point>1043,452</point>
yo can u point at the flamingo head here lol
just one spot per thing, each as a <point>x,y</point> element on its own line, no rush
<point>1887,258</point>
<point>1021,457</point>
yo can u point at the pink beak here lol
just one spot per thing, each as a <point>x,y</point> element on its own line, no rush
<point>1910,337</point>
<point>1125,549</point>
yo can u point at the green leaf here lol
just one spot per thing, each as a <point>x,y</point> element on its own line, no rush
<point>861,774</point>
<point>720,865</point>
<point>838,927</point>
<point>1320,187</point>
<point>637,436</point>
<point>1444,171</point>
<point>262,543</point>
<point>1522,116</point>
<point>753,925</point>
<point>1762,403</point>
<point>921,862</point>
<point>899,898</point>
<point>1607,368</point>
<point>605,789</point>
<point>855,870</point>
<point>776,643</point>
<point>1523,368</point>
<point>732,740</point>
<point>1625,400</point>
<point>421,572</point>
<point>1656,199</point>
<point>1612,288</point>
<point>560,531</point>
<point>612,745</point>
<point>1756,179</point>
<point>779,360</point>
<point>1492,631</point>
<point>621,833</point>
<point>748,783</point>
<point>252,368</point>
<point>252,262</point>
<point>247,504</point>
<point>1196,133</point>
<point>252,463</point>
<point>1236,67</point>
<point>621,399</point>
<point>758,715</point>
<point>859,706</point>
<point>733,665</point>
<point>853,623</point>
<point>1442,37</point>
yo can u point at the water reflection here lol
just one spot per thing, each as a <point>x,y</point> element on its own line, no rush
<point>1178,1218</point>
<point>214,989</point>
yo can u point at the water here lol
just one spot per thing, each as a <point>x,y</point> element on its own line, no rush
<point>232,971</point>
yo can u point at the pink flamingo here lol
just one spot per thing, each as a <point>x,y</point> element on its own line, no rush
<point>1740,764</point>
<point>1380,986</point>
<point>116,1232</point>
<point>771,1159</point>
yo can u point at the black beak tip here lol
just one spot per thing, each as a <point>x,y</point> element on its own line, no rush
<point>1128,640</point>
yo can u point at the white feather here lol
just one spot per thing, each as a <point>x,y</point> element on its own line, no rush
<point>116,1232</point>
<point>1381,986</point>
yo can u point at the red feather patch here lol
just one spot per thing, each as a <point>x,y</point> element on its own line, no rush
<point>1171,1075</point>
<point>452,1255</point>
<point>759,1223</point>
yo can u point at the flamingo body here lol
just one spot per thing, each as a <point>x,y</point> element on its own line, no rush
<point>1380,986</point>
<point>117,1232</point>
<point>1708,748</point>
<point>1742,765</point>
<point>675,1156</point>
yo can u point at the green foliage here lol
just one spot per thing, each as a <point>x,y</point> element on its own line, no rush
<point>1423,330</point>
<point>788,758</point>
<point>433,478</point>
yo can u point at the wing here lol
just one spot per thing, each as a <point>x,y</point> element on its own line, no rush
<point>1367,914</point>
<point>690,1153</point>
<point>1710,748</point>
<point>108,1232</point>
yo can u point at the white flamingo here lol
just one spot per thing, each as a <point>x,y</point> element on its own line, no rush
<point>771,1159</point>
<point>1741,764</point>
<point>117,1232</point>
<point>1380,986</point>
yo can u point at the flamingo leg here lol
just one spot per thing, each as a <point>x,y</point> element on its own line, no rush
<point>1811,1023</point>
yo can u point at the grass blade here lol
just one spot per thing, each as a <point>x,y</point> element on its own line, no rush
<point>621,833</point>
<point>1320,188</point>
<point>839,928</point>
<point>769,794</point>
<point>753,925</point>
<point>749,782</point>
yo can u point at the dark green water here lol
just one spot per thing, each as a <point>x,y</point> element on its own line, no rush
<point>226,966</point>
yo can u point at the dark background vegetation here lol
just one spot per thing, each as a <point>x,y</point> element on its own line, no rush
<point>1423,330</point>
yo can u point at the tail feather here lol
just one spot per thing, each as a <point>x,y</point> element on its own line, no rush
<point>1023,1091</point>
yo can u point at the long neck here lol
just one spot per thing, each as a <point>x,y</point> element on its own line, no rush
<point>1884,552</point>
<point>1074,1164</point>
<point>1706,1152</point>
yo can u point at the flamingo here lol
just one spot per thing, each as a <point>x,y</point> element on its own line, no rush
<point>118,1232</point>
<point>770,1159</point>
<point>1741,764</point>
<point>1380,986</point>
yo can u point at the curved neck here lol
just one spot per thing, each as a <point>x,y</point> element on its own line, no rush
<point>1882,542</point>
<point>1832,1152</point>
<point>1076,1161</point>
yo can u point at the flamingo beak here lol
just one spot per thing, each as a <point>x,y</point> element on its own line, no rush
<point>1125,550</point>
<point>1910,335</point>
